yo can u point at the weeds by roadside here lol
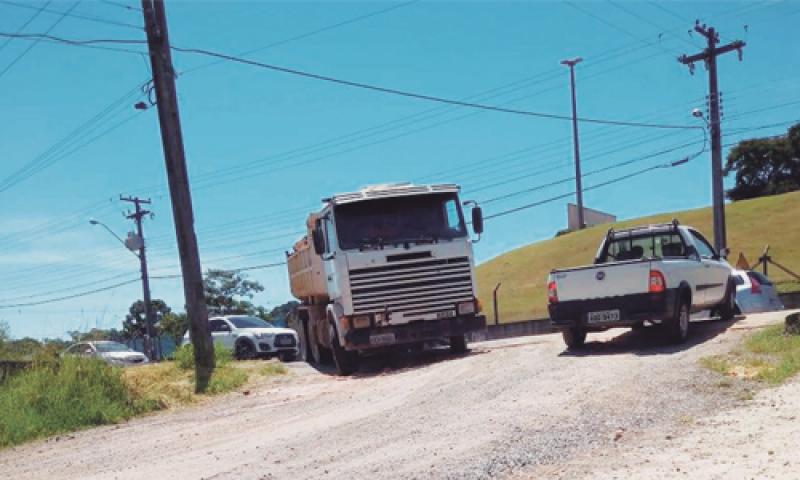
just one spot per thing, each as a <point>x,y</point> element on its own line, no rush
<point>768,356</point>
<point>62,395</point>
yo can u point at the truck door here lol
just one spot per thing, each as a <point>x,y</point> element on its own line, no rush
<point>715,271</point>
<point>329,258</point>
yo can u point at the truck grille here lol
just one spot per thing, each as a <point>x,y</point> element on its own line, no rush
<point>412,288</point>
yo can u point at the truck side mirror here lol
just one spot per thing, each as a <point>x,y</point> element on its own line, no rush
<point>317,239</point>
<point>477,220</point>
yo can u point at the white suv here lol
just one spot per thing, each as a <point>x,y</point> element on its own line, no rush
<point>251,337</point>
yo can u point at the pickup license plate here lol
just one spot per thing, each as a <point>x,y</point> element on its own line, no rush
<point>604,316</point>
<point>382,339</point>
<point>446,314</point>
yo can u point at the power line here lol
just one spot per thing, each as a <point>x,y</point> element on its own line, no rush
<point>69,13</point>
<point>122,5</point>
<point>308,34</point>
<point>69,297</point>
<point>36,42</point>
<point>24,25</point>
<point>364,86</point>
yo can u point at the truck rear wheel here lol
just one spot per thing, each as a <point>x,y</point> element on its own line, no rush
<point>458,343</point>
<point>574,337</point>
<point>678,326</point>
<point>346,362</point>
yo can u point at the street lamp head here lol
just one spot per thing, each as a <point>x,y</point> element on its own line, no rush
<point>571,62</point>
<point>92,221</point>
<point>697,113</point>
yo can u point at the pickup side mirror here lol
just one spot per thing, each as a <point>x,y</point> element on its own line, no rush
<point>477,220</point>
<point>317,239</point>
<point>725,252</point>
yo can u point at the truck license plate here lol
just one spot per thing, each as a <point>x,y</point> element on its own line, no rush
<point>382,339</point>
<point>604,316</point>
<point>445,314</point>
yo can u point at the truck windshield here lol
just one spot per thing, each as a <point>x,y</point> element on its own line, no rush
<point>390,221</point>
<point>635,247</point>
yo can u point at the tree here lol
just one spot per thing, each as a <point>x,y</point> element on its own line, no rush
<point>765,166</point>
<point>226,291</point>
<point>134,325</point>
<point>174,325</point>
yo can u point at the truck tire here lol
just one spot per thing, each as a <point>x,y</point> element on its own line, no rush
<point>574,337</point>
<point>678,326</point>
<point>244,350</point>
<point>287,357</point>
<point>458,343</point>
<point>727,309</point>
<point>346,362</point>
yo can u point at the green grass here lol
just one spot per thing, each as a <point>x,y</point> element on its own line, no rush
<point>768,356</point>
<point>751,224</point>
<point>63,395</point>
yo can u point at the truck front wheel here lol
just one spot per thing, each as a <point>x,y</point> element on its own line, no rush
<point>458,343</point>
<point>346,362</point>
<point>574,337</point>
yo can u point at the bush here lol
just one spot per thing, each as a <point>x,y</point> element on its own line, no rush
<point>184,356</point>
<point>56,397</point>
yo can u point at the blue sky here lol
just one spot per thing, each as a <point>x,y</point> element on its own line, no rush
<point>263,147</point>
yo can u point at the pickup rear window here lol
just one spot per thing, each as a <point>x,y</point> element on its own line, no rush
<point>635,247</point>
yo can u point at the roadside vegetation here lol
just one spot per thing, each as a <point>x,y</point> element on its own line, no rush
<point>59,395</point>
<point>767,356</point>
<point>752,224</point>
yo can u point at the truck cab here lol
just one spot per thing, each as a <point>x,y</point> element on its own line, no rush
<point>386,266</point>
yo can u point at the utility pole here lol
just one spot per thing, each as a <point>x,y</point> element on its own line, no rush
<point>155,23</point>
<point>150,339</point>
<point>709,57</point>
<point>578,189</point>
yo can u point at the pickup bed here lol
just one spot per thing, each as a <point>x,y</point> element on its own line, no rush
<point>657,274</point>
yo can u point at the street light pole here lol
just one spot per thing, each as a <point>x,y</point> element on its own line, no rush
<point>578,189</point>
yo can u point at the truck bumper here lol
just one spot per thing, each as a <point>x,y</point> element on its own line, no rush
<point>633,309</point>
<point>414,332</point>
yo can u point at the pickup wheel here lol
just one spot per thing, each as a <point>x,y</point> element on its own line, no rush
<point>678,326</point>
<point>346,361</point>
<point>574,338</point>
<point>458,344</point>
<point>727,309</point>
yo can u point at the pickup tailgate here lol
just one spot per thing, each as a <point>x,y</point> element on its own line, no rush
<point>602,281</point>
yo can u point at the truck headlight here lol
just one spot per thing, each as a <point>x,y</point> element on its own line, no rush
<point>361,321</point>
<point>466,308</point>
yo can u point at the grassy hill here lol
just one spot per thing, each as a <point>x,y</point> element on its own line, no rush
<point>752,224</point>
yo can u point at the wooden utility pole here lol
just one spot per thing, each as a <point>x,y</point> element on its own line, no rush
<point>155,23</point>
<point>709,57</point>
<point>136,216</point>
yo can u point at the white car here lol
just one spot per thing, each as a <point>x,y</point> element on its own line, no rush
<point>251,337</point>
<point>755,292</point>
<point>113,353</point>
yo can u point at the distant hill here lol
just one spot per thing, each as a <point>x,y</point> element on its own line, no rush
<point>751,225</point>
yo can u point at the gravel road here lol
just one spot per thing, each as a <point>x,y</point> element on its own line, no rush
<point>510,408</point>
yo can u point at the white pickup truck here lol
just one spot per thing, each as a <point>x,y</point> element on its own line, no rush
<point>657,273</point>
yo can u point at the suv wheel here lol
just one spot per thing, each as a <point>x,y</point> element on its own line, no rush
<point>245,350</point>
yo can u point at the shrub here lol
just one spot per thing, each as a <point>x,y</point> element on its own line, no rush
<point>184,356</point>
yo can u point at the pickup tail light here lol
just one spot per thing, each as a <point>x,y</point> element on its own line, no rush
<point>755,286</point>
<point>656,283</point>
<point>552,292</point>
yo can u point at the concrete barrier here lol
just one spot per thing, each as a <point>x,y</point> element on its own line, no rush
<point>510,330</point>
<point>790,300</point>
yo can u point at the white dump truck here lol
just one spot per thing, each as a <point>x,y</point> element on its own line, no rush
<point>387,266</point>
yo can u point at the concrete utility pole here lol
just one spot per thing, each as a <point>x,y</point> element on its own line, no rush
<point>709,57</point>
<point>155,23</point>
<point>150,339</point>
<point>578,189</point>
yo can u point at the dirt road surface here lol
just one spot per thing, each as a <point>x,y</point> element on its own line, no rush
<point>520,408</point>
